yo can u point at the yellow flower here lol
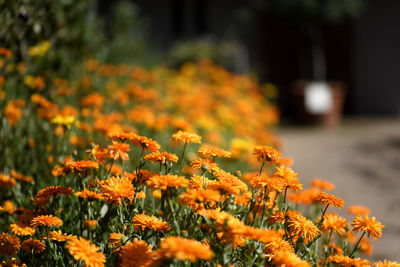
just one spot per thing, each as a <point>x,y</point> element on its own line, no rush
<point>66,120</point>
<point>369,225</point>
<point>40,49</point>
<point>81,249</point>
<point>19,228</point>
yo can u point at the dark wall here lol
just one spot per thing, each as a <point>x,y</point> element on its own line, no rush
<point>377,59</point>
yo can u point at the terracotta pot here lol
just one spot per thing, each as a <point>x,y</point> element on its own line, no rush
<point>329,118</point>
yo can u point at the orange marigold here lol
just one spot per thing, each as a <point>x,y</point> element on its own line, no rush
<point>335,223</point>
<point>213,151</point>
<point>9,244</point>
<point>267,153</point>
<point>288,259</point>
<point>369,225</point>
<point>46,220</point>
<point>300,226</point>
<point>321,184</point>
<point>204,164</point>
<point>119,150</point>
<point>271,183</point>
<point>33,245</point>
<point>199,195</point>
<point>186,137</point>
<point>164,181</point>
<point>198,182</point>
<point>81,166</point>
<point>386,263</point>
<point>19,228</point>
<point>115,240</point>
<point>161,157</point>
<point>54,191</point>
<point>330,200</point>
<point>21,177</point>
<point>347,261</point>
<point>145,143</point>
<point>142,221</point>
<point>58,236</point>
<point>13,262</point>
<point>116,190</point>
<point>7,181</point>
<point>88,195</point>
<point>184,249</point>
<point>81,249</point>
<point>137,254</point>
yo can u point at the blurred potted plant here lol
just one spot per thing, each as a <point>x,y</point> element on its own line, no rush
<point>318,99</point>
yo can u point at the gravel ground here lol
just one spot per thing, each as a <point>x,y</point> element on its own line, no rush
<point>362,158</point>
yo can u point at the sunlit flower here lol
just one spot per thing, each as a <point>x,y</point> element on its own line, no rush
<point>369,225</point>
<point>164,181</point>
<point>54,191</point>
<point>386,263</point>
<point>121,136</point>
<point>137,254</point>
<point>186,137</point>
<point>16,175</point>
<point>81,249</point>
<point>6,181</point>
<point>31,244</point>
<point>13,262</point>
<point>335,223</point>
<point>145,143</point>
<point>347,261</point>
<point>40,49</point>
<point>9,244</point>
<point>142,221</point>
<point>59,236</point>
<point>161,157</point>
<point>276,244</point>
<point>204,164</point>
<point>213,151</point>
<point>199,195</point>
<point>115,240</point>
<point>8,206</point>
<point>184,249</point>
<point>227,183</point>
<point>116,190</point>
<point>19,228</point>
<point>267,153</point>
<point>301,226</point>
<point>46,220</point>
<point>66,121</point>
<point>330,200</point>
<point>81,166</point>
<point>119,150</point>
<point>90,223</point>
<point>271,183</point>
<point>288,259</point>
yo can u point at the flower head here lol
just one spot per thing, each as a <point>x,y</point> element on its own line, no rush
<point>46,220</point>
<point>119,150</point>
<point>184,249</point>
<point>267,153</point>
<point>9,244</point>
<point>161,157</point>
<point>116,189</point>
<point>32,244</point>
<point>19,228</point>
<point>346,261</point>
<point>142,221</point>
<point>369,225</point>
<point>330,200</point>
<point>358,210</point>
<point>81,249</point>
<point>288,259</point>
<point>213,151</point>
<point>301,226</point>
<point>145,143</point>
<point>164,181</point>
<point>137,254</point>
<point>186,137</point>
<point>89,195</point>
<point>335,223</point>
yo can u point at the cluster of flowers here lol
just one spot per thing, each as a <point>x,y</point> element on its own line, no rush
<point>129,200</point>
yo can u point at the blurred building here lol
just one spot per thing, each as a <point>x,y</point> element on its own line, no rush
<point>363,54</point>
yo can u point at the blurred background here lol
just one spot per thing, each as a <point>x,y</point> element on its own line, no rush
<point>331,66</point>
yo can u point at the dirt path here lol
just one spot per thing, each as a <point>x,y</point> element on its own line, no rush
<point>362,158</point>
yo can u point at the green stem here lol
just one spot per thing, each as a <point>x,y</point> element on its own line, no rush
<point>183,155</point>
<point>358,242</point>
<point>262,166</point>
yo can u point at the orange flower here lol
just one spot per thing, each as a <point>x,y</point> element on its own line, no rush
<point>276,244</point>
<point>204,164</point>
<point>121,136</point>
<point>347,261</point>
<point>54,191</point>
<point>212,151</point>
<point>99,154</point>
<point>7,181</point>
<point>46,220</point>
<point>200,196</point>
<point>116,189</point>
<point>386,263</point>
<point>145,143</point>
<point>13,262</point>
<point>137,254</point>
<point>90,223</point>
<point>186,137</point>
<point>227,183</point>
<point>300,226</point>
<point>81,249</point>
<point>81,166</point>
<point>115,240</point>
<point>369,225</point>
<point>119,150</point>
<point>59,236</point>
<point>161,157</point>
<point>31,244</point>
<point>21,177</point>
<point>329,199</point>
<point>184,249</point>
<point>335,223</point>
<point>198,182</point>
<point>267,153</point>
<point>19,228</point>
<point>88,195</point>
<point>366,247</point>
<point>9,244</point>
<point>288,259</point>
<point>13,111</point>
<point>142,221</point>
<point>358,210</point>
<point>271,183</point>
<point>164,181</point>
<point>321,184</point>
